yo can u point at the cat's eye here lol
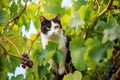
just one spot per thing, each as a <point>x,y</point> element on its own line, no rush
<point>48,28</point>
<point>56,27</point>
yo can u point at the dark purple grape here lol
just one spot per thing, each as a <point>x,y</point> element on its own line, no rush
<point>114,70</point>
<point>109,75</point>
<point>111,67</point>
<point>24,66</point>
<point>22,62</point>
<point>25,55</point>
<point>109,71</point>
<point>30,64</point>
<point>27,63</point>
<point>104,78</point>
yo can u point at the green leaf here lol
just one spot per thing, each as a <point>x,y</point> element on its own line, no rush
<point>13,8</point>
<point>77,58</point>
<point>36,22</point>
<point>51,46</point>
<point>26,21</point>
<point>109,54</point>
<point>3,75</point>
<point>89,41</point>
<point>42,71</point>
<point>5,3</point>
<point>77,4</point>
<point>49,55</point>
<point>3,17</point>
<point>75,21</point>
<point>31,10</point>
<point>18,77</point>
<point>82,12</point>
<point>43,55</point>
<point>94,53</point>
<point>58,56</point>
<point>111,33</point>
<point>75,76</point>
<point>77,53</point>
<point>30,74</point>
<point>76,42</point>
<point>51,9</point>
<point>100,26</point>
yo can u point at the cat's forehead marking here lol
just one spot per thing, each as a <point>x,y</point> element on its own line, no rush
<point>54,24</point>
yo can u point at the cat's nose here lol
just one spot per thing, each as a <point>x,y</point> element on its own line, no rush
<point>53,33</point>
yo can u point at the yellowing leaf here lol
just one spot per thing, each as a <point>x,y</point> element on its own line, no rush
<point>32,36</point>
<point>15,27</point>
<point>82,12</point>
<point>75,76</point>
<point>31,10</point>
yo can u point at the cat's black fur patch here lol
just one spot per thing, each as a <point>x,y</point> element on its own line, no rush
<point>44,25</point>
<point>68,57</point>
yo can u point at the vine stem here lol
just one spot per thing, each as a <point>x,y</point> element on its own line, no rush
<point>32,42</point>
<point>106,9</point>
<point>8,40</point>
<point>115,62</point>
<point>19,57</point>
<point>15,18</point>
<point>118,71</point>
<point>6,53</point>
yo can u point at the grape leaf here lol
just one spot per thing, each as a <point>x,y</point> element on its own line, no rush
<point>111,33</point>
<point>77,53</point>
<point>94,53</point>
<point>75,76</point>
<point>3,17</point>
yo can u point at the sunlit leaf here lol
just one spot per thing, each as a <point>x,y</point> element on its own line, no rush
<point>75,21</point>
<point>49,55</point>
<point>77,53</point>
<point>75,76</point>
<point>3,17</point>
<point>83,12</point>
<point>94,53</point>
<point>14,9</point>
<point>111,33</point>
<point>5,3</point>
<point>15,27</point>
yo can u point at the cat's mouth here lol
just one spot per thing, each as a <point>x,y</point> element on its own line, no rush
<point>53,36</point>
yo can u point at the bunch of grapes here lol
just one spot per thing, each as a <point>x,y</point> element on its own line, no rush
<point>111,70</point>
<point>25,63</point>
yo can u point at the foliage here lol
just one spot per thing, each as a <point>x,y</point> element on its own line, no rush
<point>93,25</point>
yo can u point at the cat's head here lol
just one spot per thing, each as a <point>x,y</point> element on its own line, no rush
<point>52,26</point>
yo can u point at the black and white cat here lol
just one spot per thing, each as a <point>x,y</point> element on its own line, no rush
<point>51,30</point>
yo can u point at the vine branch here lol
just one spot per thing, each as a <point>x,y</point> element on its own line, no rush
<point>32,42</point>
<point>6,53</point>
<point>8,40</point>
<point>15,19</point>
<point>106,9</point>
<point>115,59</point>
<point>118,71</point>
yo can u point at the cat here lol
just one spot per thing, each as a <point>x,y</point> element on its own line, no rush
<point>51,30</point>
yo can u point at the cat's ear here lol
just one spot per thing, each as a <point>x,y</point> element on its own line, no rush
<point>42,18</point>
<point>58,17</point>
